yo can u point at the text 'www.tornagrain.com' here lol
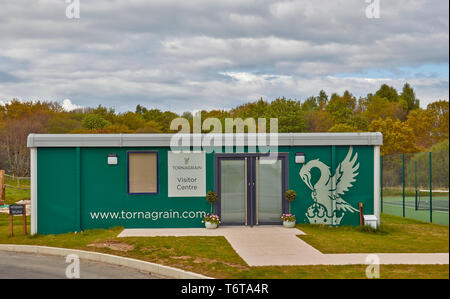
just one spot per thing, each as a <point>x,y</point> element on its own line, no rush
<point>150,215</point>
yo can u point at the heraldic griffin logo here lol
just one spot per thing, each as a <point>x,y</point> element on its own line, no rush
<point>328,206</point>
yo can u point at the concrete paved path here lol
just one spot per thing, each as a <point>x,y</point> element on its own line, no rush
<point>276,245</point>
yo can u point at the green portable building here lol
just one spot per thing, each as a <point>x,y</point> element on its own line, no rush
<point>86,181</point>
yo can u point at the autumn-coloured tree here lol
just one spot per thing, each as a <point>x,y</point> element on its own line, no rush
<point>405,126</point>
<point>421,123</point>
<point>13,141</point>
<point>343,128</point>
<point>397,138</point>
<point>377,107</point>
<point>440,119</point>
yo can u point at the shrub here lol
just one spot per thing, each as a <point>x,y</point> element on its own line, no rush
<point>212,198</point>
<point>290,196</point>
<point>211,218</point>
<point>94,121</point>
<point>288,217</point>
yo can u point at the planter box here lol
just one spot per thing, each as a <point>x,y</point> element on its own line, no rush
<point>289,224</point>
<point>210,225</point>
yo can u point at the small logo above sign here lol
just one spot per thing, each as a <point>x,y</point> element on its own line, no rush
<point>186,174</point>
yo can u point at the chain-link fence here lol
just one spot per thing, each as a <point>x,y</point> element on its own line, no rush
<point>415,185</point>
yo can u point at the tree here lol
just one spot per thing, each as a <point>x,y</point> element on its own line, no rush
<point>343,128</point>
<point>318,121</point>
<point>322,99</point>
<point>341,107</point>
<point>379,107</point>
<point>187,115</point>
<point>408,98</point>
<point>140,110</point>
<point>388,92</point>
<point>310,104</point>
<point>13,141</point>
<point>289,113</point>
<point>107,113</point>
<point>94,121</point>
<point>440,112</point>
<point>150,127</point>
<point>421,122</point>
<point>61,124</point>
<point>132,120</point>
<point>397,138</point>
<point>163,119</point>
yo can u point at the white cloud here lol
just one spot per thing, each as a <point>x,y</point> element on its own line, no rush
<point>172,55</point>
<point>69,106</point>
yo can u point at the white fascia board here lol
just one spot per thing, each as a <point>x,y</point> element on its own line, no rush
<point>163,140</point>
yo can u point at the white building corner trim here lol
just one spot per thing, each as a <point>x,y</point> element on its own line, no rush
<point>376,182</point>
<point>33,174</point>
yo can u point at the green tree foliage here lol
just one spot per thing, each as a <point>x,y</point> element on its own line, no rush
<point>405,126</point>
<point>408,98</point>
<point>162,118</point>
<point>310,104</point>
<point>388,92</point>
<point>289,114</point>
<point>132,120</point>
<point>341,107</point>
<point>322,99</point>
<point>94,121</point>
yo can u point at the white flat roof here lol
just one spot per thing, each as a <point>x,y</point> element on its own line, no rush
<point>162,140</point>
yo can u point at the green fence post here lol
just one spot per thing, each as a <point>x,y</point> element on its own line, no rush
<point>415,185</point>
<point>403,182</point>
<point>431,190</point>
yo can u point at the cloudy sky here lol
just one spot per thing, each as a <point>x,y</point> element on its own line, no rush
<point>198,54</point>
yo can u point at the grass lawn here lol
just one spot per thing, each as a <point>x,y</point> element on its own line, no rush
<point>396,235</point>
<point>213,256</point>
<point>439,217</point>
<point>14,195</point>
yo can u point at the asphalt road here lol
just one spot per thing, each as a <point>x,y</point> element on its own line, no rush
<point>25,265</point>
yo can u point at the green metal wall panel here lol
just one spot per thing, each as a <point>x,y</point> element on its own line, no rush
<point>77,189</point>
<point>57,195</point>
<point>105,201</point>
<point>359,190</point>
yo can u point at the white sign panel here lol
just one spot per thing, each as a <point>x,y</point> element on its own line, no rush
<point>186,174</point>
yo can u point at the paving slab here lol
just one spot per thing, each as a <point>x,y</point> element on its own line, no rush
<point>277,246</point>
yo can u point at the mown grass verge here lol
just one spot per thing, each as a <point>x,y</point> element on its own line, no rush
<point>212,256</point>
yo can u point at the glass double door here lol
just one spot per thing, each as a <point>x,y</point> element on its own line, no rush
<point>250,189</point>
